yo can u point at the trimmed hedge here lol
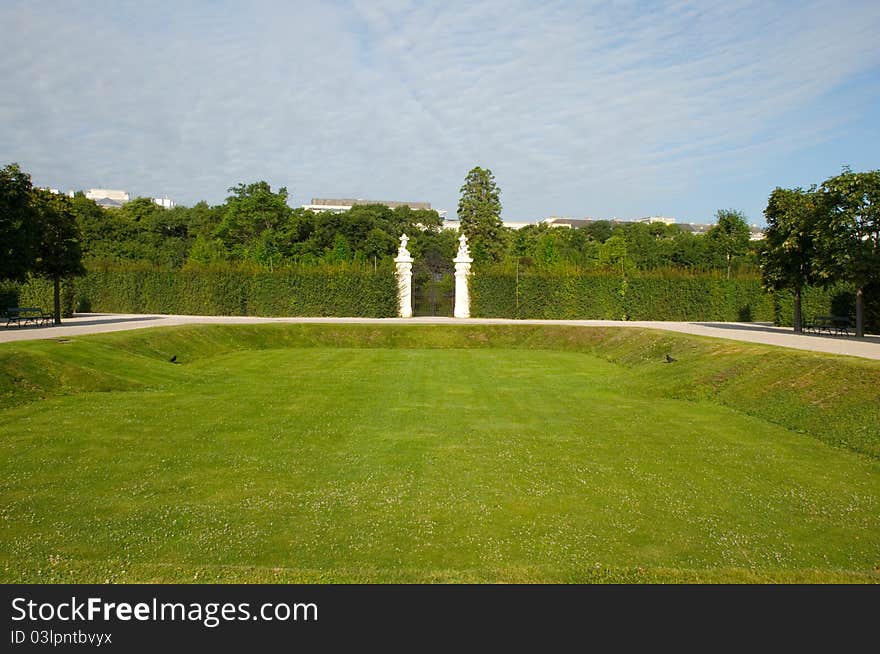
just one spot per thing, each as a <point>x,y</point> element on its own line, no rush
<point>360,291</point>
<point>38,292</point>
<point>569,293</point>
<point>836,300</point>
<point>342,290</point>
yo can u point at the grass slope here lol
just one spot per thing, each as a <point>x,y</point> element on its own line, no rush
<point>833,398</point>
<point>357,453</point>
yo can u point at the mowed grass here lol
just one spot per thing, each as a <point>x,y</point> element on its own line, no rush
<point>320,462</point>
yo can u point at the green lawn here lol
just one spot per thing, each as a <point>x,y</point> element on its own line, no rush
<point>409,454</point>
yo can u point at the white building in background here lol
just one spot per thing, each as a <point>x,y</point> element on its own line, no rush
<point>115,198</point>
<point>341,205</point>
<point>516,224</point>
<point>455,223</point>
<point>666,220</point>
<point>558,221</point>
<point>108,194</point>
<point>107,197</point>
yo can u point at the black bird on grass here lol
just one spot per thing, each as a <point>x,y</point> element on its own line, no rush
<point>173,359</point>
<point>670,359</point>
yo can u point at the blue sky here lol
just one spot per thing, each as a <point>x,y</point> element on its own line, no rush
<point>579,108</point>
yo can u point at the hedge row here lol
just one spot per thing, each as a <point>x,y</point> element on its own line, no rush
<point>569,293</point>
<point>37,292</point>
<point>835,300</point>
<point>348,290</point>
<point>323,291</point>
<point>594,295</point>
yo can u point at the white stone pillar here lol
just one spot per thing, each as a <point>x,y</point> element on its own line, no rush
<point>463,263</point>
<point>404,279</point>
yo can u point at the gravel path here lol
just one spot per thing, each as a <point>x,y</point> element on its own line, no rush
<point>95,323</point>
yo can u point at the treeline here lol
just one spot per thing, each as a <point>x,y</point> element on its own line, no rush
<point>613,246</point>
<point>254,225</point>
<point>622,247</point>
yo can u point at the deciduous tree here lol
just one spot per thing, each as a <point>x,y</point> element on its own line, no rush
<point>788,251</point>
<point>848,236</point>
<point>59,253</point>
<point>19,231</point>
<point>250,211</point>
<point>730,235</point>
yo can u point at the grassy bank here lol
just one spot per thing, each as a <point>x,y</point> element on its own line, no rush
<point>833,398</point>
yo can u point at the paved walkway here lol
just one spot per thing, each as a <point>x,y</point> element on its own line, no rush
<point>96,323</point>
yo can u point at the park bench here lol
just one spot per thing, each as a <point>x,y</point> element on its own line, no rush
<point>27,315</point>
<point>829,325</point>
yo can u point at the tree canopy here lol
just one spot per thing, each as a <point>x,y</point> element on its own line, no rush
<point>825,235</point>
<point>59,253</point>
<point>729,235</point>
<point>848,236</point>
<point>19,232</point>
<point>788,252</point>
<point>479,211</point>
<point>39,232</point>
<point>252,220</point>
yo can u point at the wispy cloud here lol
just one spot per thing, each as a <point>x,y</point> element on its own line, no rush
<point>623,108</point>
